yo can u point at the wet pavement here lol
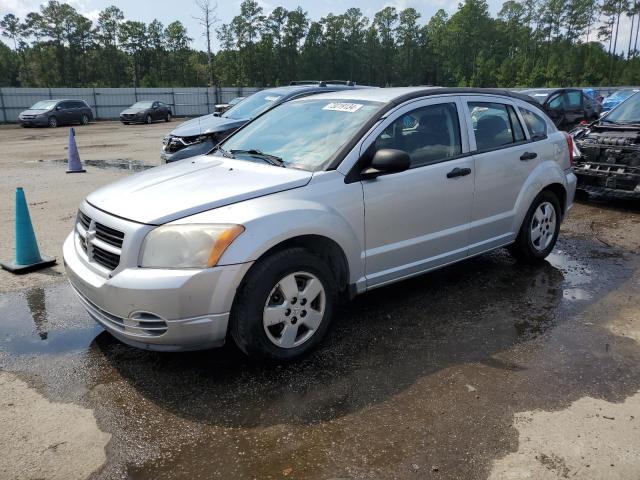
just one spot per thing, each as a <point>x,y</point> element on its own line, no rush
<point>421,379</point>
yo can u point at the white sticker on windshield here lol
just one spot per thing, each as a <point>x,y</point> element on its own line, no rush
<point>271,99</point>
<point>343,107</point>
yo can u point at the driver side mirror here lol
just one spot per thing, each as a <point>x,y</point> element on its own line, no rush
<point>58,107</point>
<point>387,160</point>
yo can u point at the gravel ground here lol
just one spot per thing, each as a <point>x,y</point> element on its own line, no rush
<point>486,369</point>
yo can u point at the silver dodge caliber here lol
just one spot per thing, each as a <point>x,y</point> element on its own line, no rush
<point>330,195</point>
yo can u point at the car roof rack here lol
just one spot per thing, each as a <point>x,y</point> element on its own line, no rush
<point>323,83</point>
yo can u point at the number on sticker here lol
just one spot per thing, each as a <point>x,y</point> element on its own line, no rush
<point>343,107</point>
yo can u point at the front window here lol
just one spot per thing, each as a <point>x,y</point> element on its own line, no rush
<point>428,134</point>
<point>305,133</point>
<point>142,105</point>
<point>44,105</point>
<point>252,106</point>
<point>626,112</point>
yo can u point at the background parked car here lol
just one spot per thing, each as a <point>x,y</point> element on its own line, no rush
<point>223,107</point>
<point>146,112</point>
<point>199,135</point>
<point>565,106</point>
<point>52,113</point>
<point>617,97</point>
<point>608,160</point>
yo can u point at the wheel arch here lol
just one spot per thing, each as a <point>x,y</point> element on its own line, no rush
<point>324,247</point>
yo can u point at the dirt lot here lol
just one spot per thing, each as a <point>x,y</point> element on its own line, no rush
<point>487,369</point>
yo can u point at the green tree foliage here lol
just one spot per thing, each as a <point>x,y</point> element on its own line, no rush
<point>529,43</point>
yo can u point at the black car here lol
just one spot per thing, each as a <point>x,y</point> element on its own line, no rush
<point>52,113</point>
<point>199,135</point>
<point>146,111</point>
<point>608,156</point>
<point>565,106</point>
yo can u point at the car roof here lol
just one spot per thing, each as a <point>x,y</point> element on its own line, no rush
<point>289,90</point>
<point>397,95</point>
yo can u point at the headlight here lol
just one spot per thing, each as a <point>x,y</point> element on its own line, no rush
<point>187,246</point>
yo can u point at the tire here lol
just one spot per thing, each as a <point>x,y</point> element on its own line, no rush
<point>543,217</point>
<point>84,120</point>
<point>261,301</point>
<point>125,123</point>
<point>52,122</point>
<point>149,120</point>
<point>168,117</point>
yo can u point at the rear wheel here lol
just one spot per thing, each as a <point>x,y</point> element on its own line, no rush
<point>149,119</point>
<point>540,229</point>
<point>53,122</point>
<point>284,306</point>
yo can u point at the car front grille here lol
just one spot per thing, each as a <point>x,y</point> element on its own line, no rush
<point>101,244</point>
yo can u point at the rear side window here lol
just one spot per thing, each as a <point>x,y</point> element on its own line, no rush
<point>428,134</point>
<point>79,105</point>
<point>535,123</point>
<point>492,125</point>
<point>516,126</point>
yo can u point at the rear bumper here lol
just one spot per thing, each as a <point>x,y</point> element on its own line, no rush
<point>157,309</point>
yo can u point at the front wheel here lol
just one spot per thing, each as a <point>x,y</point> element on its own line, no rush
<point>540,229</point>
<point>84,120</point>
<point>148,119</point>
<point>284,306</point>
<point>168,117</point>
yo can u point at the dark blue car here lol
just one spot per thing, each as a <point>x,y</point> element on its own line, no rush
<point>199,135</point>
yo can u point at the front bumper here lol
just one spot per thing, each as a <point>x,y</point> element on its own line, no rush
<point>157,309</point>
<point>34,122</point>
<point>608,179</point>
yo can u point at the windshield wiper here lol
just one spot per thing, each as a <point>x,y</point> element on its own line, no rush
<point>270,159</point>
<point>224,152</point>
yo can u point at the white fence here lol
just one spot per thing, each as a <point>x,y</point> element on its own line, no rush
<point>107,103</point>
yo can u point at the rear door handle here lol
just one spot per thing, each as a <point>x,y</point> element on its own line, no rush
<point>458,172</point>
<point>528,156</point>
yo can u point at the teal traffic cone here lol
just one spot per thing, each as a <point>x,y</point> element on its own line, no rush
<point>74,166</point>
<point>28,256</point>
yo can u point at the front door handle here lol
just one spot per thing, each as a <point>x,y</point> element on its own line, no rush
<point>458,172</point>
<point>528,156</point>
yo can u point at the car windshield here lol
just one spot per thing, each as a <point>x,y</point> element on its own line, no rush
<point>236,100</point>
<point>142,105</point>
<point>252,106</point>
<point>44,105</point>
<point>626,112</point>
<point>305,134</point>
<point>621,94</point>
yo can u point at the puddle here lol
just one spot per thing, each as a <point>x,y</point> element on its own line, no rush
<point>576,294</point>
<point>44,320</point>
<point>120,164</point>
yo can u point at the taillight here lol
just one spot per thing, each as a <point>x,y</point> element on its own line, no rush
<point>570,145</point>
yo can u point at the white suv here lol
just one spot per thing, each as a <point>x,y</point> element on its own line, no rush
<point>329,195</point>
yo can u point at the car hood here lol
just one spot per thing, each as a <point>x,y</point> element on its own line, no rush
<point>33,112</point>
<point>206,124</point>
<point>169,192</point>
<point>133,111</point>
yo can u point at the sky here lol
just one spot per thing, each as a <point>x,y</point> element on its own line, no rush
<point>184,10</point>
